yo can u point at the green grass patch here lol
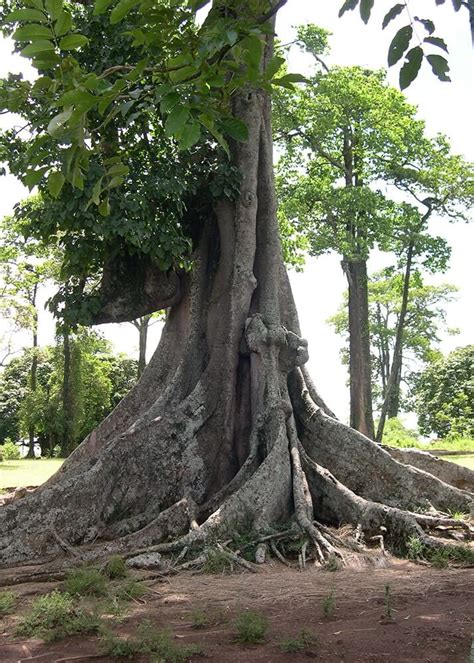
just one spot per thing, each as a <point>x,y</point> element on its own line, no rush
<point>57,616</point>
<point>467,461</point>
<point>250,627</point>
<point>305,642</point>
<point>148,640</point>
<point>28,472</point>
<point>85,581</point>
<point>7,602</point>
<point>130,590</point>
<point>116,568</point>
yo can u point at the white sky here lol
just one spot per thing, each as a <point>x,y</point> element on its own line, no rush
<point>448,108</point>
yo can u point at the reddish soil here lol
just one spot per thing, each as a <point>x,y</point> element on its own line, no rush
<point>433,616</point>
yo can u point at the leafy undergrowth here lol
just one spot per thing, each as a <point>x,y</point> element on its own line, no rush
<point>250,627</point>
<point>440,558</point>
<point>148,640</point>
<point>7,603</point>
<point>56,616</point>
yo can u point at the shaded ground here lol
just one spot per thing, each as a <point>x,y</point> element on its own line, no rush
<point>28,472</point>
<point>433,616</point>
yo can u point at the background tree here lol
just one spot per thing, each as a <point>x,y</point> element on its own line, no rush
<point>444,395</point>
<point>142,325</point>
<point>225,405</point>
<point>426,316</point>
<point>345,134</point>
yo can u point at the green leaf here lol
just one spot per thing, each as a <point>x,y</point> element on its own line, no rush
<point>33,177</point>
<point>411,67</point>
<point>253,50</point>
<point>399,44</point>
<point>118,169</point>
<point>57,124</point>
<point>169,102</point>
<point>274,66</point>
<point>122,9</point>
<point>81,99</point>
<point>55,183</point>
<point>209,124</point>
<point>437,41</point>
<point>26,15</point>
<point>32,32</point>
<point>288,80</point>
<point>440,67</point>
<point>176,120</point>
<point>365,9</point>
<point>104,207</point>
<point>72,42</point>
<point>63,24</point>
<point>348,5</point>
<point>427,24</point>
<point>392,13</point>
<point>101,6</point>
<point>54,8</point>
<point>190,135</point>
<point>235,128</point>
<point>37,47</point>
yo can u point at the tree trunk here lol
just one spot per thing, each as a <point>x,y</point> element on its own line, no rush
<point>392,392</point>
<point>142,325</point>
<point>225,427</point>
<point>33,371</point>
<point>360,375</point>
<point>69,414</point>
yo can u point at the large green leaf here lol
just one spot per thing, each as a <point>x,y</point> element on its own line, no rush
<point>235,128</point>
<point>37,47</point>
<point>122,9</point>
<point>392,13</point>
<point>399,44</point>
<point>176,120</point>
<point>101,6</point>
<point>190,135</point>
<point>437,41</point>
<point>72,42</point>
<point>366,9</point>
<point>57,124</point>
<point>28,14</point>
<point>348,5</point>
<point>411,67</point>
<point>54,8</point>
<point>32,32</point>
<point>440,67</point>
<point>55,183</point>
<point>63,23</point>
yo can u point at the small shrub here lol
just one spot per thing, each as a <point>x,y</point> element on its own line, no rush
<point>116,568</point>
<point>148,640</point>
<point>56,616</point>
<point>304,642</point>
<point>7,601</point>
<point>250,627</point>
<point>199,619</point>
<point>130,590</point>
<point>86,581</point>
<point>217,562</point>
<point>415,548</point>
<point>9,450</point>
<point>329,604</point>
<point>332,564</point>
<point>397,435</point>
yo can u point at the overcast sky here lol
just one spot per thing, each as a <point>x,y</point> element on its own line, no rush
<point>446,107</point>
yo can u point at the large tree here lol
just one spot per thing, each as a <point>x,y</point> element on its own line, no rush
<point>350,142</point>
<point>225,425</point>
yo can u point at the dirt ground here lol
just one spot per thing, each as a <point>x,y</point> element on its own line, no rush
<point>433,616</point>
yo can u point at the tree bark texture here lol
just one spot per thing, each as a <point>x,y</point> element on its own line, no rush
<point>225,427</point>
<point>33,370</point>
<point>360,374</point>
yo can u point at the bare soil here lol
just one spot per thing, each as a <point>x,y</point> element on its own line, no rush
<point>432,610</point>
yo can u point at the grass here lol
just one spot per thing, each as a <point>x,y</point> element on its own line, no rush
<point>116,568</point>
<point>250,628</point>
<point>148,640</point>
<point>7,601</point>
<point>305,642</point>
<point>328,605</point>
<point>27,472</point>
<point>85,581</point>
<point>55,616</point>
<point>467,461</point>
